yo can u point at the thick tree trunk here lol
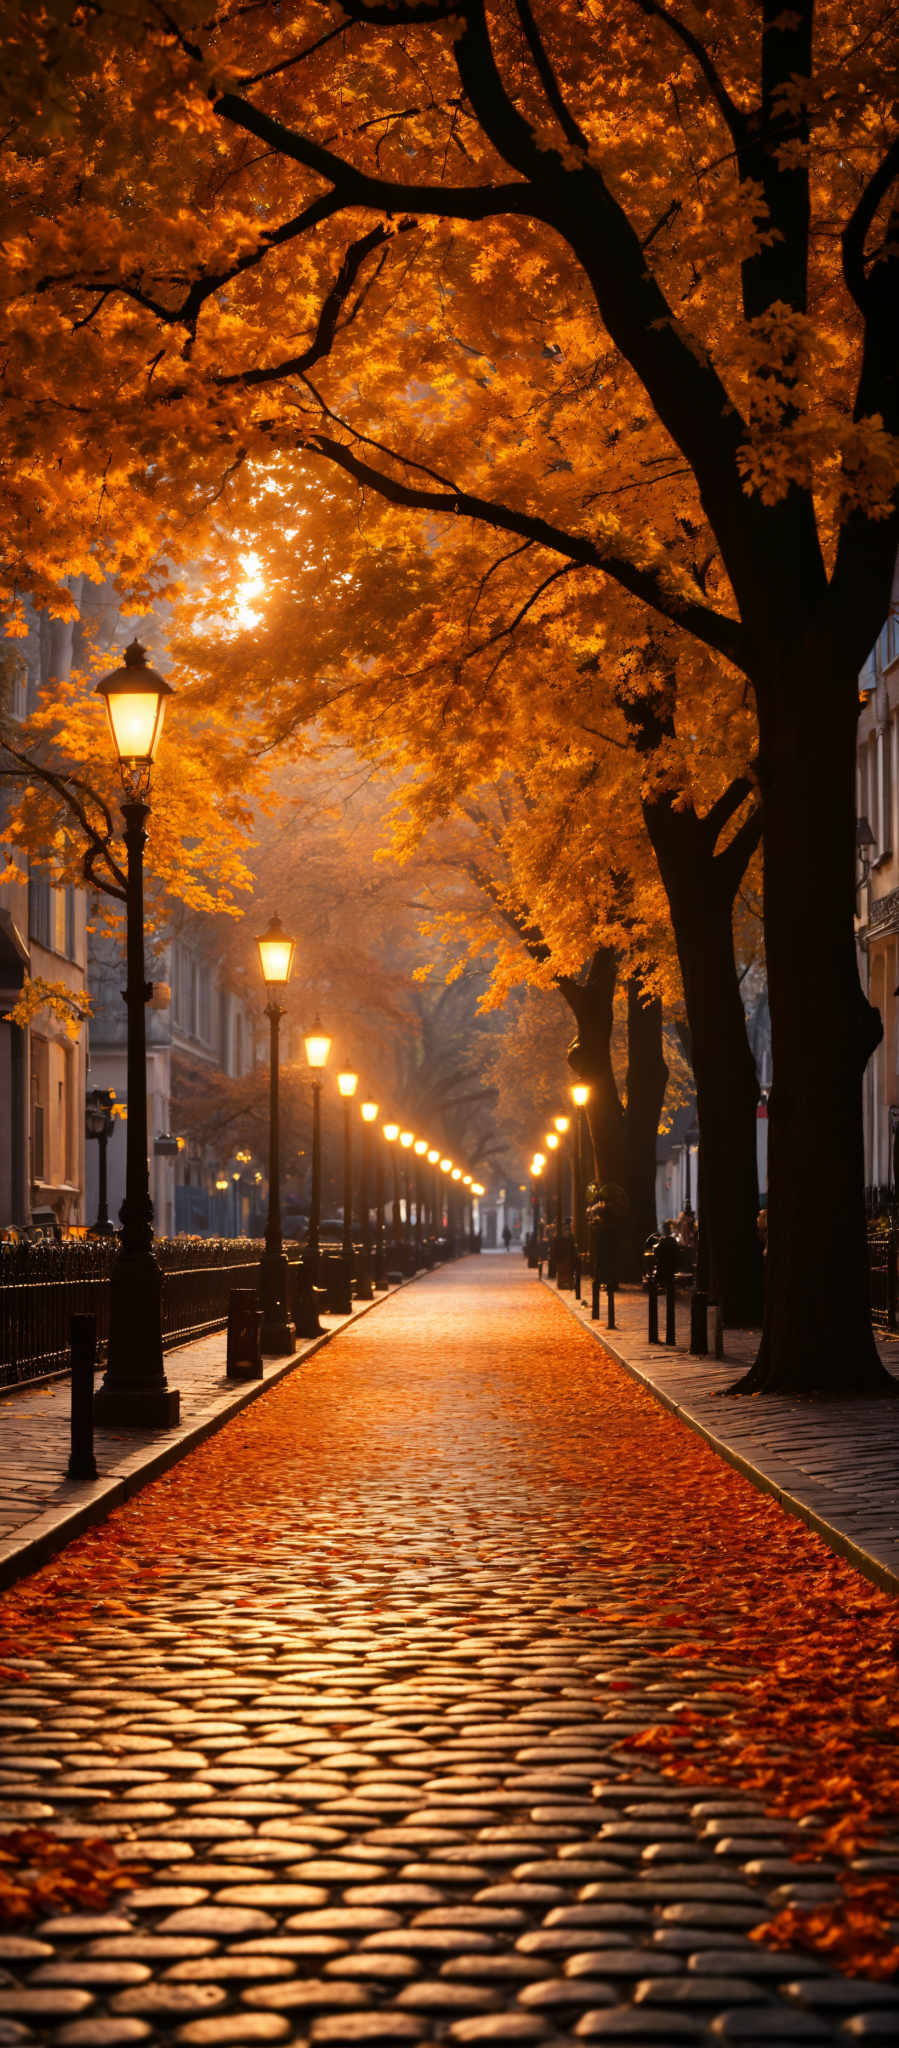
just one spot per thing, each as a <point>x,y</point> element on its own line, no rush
<point>590,1058</point>
<point>647,1079</point>
<point>700,887</point>
<point>817,1338</point>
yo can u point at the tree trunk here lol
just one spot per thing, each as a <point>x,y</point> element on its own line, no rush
<point>818,1339</point>
<point>700,887</point>
<point>590,1058</point>
<point>647,1079</point>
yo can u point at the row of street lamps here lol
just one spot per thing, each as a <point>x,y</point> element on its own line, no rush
<point>554,1142</point>
<point>135,1392</point>
<point>276,957</point>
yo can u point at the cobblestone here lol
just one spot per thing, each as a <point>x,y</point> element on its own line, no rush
<point>378,1765</point>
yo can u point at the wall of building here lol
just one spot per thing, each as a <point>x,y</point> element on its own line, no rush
<point>877,804</point>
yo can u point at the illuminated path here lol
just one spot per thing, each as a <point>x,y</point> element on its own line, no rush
<point>358,1680</point>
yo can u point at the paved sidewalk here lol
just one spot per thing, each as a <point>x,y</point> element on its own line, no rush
<point>834,1464</point>
<point>356,1681</point>
<point>41,1509</point>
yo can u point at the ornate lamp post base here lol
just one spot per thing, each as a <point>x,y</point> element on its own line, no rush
<point>135,1393</point>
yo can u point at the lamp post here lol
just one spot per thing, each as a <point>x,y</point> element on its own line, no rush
<point>391,1133</point>
<point>468,1212</point>
<point>407,1140</point>
<point>135,1393</point>
<point>445,1168</point>
<point>318,1046</point>
<point>420,1147</point>
<point>537,1163</point>
<point>580,1096</point>
<point>98,1121</point>
<point>347,1083</point>
<point>458,1214</point>
<point>433,1161</point>
<point>276,953</point>
<point>364,1289</point>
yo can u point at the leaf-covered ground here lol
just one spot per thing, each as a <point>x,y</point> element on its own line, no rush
<point>397,1459</point>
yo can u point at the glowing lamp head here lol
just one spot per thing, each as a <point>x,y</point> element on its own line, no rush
<point>540,1157</point>
<point>446,1165</point>
<point>420,1147</point>
<point>221,1184</point>
<point>456,1173</point>
<point>406,1139</point>
<point>318,1046</point>
<point>537,1165</point>
<point>135,707</point>
<point>276,953</point>
<point>347,1082</point>
<point>561,1124</point>
<point>369,1112</point>
<point>433,1156</point>
<point>552,1139</point>
<point>580,1094</point>
<point>479,1188</point>
<point>466,1180</point>
<point>391,1133</point>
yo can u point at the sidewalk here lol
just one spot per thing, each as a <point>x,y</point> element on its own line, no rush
<point>41,1509</point>
<point>835,1465</point>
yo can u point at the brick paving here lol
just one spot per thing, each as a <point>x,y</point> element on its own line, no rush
<point>373,1757</point>
<point>834,1464</point>
<point>41,1509</point>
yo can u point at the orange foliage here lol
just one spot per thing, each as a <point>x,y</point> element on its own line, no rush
<point>40,1873</point>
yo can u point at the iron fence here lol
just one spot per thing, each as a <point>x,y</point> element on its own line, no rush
<point>883,1263</point>
<point>43,1285</point>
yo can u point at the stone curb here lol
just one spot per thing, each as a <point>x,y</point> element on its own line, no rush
<point>864,1561</point>
<point>51,1531</point>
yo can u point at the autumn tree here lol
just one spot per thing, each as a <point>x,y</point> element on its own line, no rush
<point>527,270</point>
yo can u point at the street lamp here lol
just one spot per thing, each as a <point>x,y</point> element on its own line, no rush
<point>537,1164</point>
<point>407,1139</point>
<point>318,1046</point>
<point>98,1122</point>
<point>364,1288</point>
<point>391,1133</point>
<point>347,1083</point>
<point>135,1393</point>
<point>580,1096</point>
<point>433,1161</point>
<point>276,951</point>
<point>420,1148</point>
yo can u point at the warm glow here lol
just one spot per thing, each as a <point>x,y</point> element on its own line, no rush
<point>536,1167</point>
<point>318,1046</point>
<point>369,1112</point>
<point>221,1184</point>
<point>135,696</point>
<point>391,1133</point>
<point>421,1146</point>
<point>476,1188</point>
<point>433,1157</point>
<point>561,1124</point>
<point>580,1094</point>
<point>252,586</point>
<point>347,1082</point>
<point>276,953</point>
<point>540,1158</point>
<point>406,1138</point>
<point>445,1165</point>
<point>466,1180</point>
<point>456,1173</point>
<point>552,1139</point>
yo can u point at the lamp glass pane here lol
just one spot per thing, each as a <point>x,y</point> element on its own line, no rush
<point>317,1049</point>
<point>135,718</point>
<point>421,1146</point>
<point>457,1173</point>
<point>276,957</point>
<point>347,1082</point>
<point>433,1157</point>
<point>369,1112</point>
<point>561,1123</point>
<point>580,1093</point>
<point>445,1165</point>
<point>406,1138</point>
<point>391,1133</point>
<point>552,1139</point>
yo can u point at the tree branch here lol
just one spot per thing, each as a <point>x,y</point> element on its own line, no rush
<point>856,230</point>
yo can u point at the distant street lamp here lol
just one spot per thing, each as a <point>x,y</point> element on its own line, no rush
<point>364,1288</point>
<point>436,1219</point>
<point>580,1096</point>
<point>407,1139</point>
<point>553,1143</point>
<point>98,1122</point>
<point>318,1046</point>
<point>278,1338</point>
<point>420,1147</point>
<point>391,1134</point>
<point>347,1083</point>
<point>537,1165</point>
<point>135,1393</point>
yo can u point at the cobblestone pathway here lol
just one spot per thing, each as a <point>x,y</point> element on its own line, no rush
<point>370,1744</point>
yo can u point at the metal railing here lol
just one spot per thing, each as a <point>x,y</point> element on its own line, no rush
<point>43,1285</point>
<point>883,1264</point>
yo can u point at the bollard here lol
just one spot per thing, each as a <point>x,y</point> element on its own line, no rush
<point>699,1332</point>
<point>83,1343</point>
<point>670,1324</point>
<point>610,1304</point>
<point>653,1305</point>
<point>243,1358</point>
<point>719,1332</point>
<point>577,1277</point>
<point>594,1305</point>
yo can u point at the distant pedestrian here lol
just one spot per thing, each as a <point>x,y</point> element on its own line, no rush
<point>507,1236</point>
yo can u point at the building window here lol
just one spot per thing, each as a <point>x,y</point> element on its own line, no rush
<point>38,907</point>
<point>70,941</point>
